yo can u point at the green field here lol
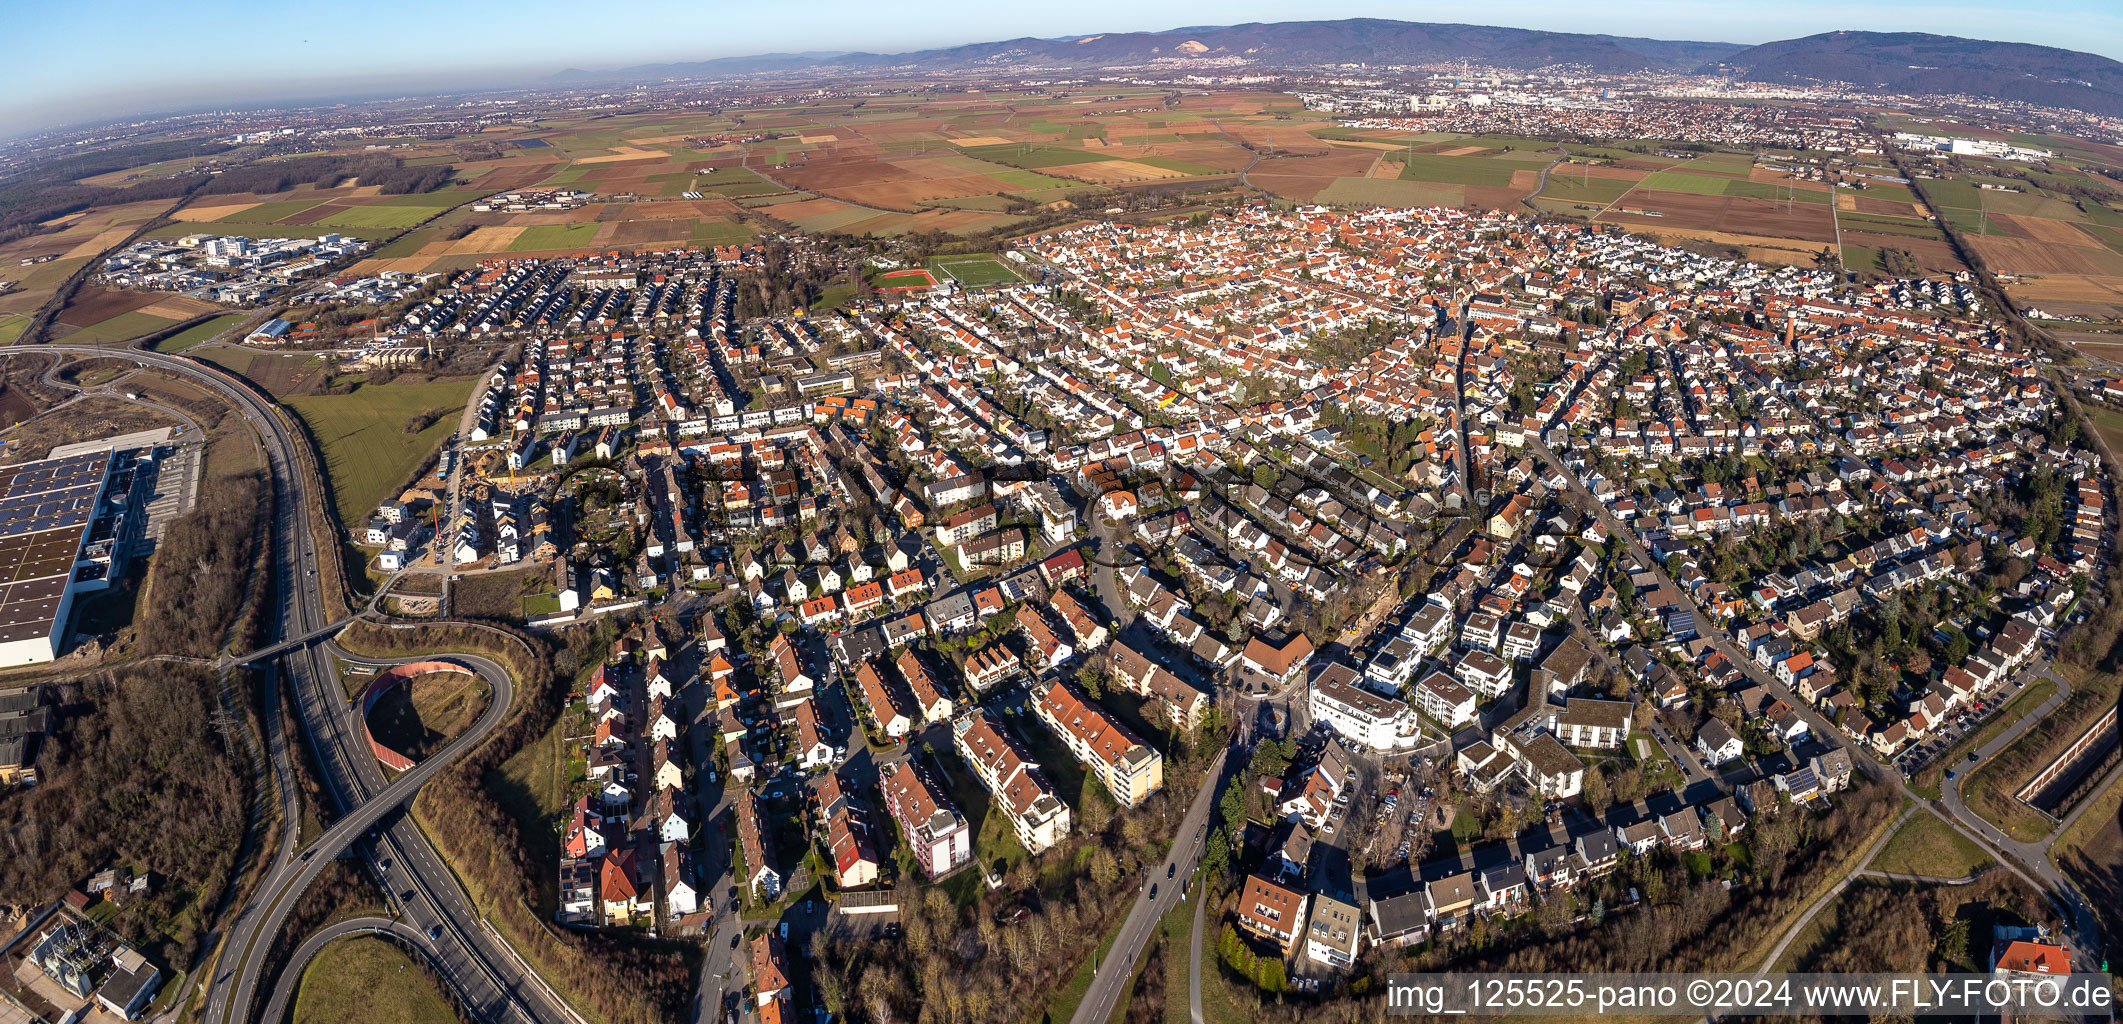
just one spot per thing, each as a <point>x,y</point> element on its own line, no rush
<point>2108,236</point>
<point>2025,204</point>
<point>974,271</point>
<point>123,327</point>
<point>1925,845</point>
<point>1906,227</point>
<point>834,220</point>
<point>554,236</point>
<point>984,204</point>
<point>439,197</point>
<point>267,213</point>
<point>719,232</point>
<point>1034,181</point>
<point>2106,216</point>
<point>1390,192</point>
<point>197,333</point>
<point>1462,170</point>
<point>1741,188</point>
<point>368,455</point>
<point>377,216</point>
<point>367,980</point>
<point>732,182</point>
<point>265,229</point>
<point>1967,206</point>
<point>2109,424</point>
<point>1682,181</point>
<point>1566,187</point>
<point>1343,134</point>
<point>1970,221</point>
<point>1863,259</point>
<point>1030,157</point>
<point>1568,208</point>
<point>1887,190</point>
<point>1723,163</point>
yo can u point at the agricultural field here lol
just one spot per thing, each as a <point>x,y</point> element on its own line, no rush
<point>369,454</point>
<point>464,237</point>
<point>1583,183</point>
<point>1694,212</point>
<point>1390,192</point>
<point>1334,164</point>
<point>2059,252</point>
<point>920,162</point>
<point>891,156</point>
<point>100,316</point>
<point>70,242</point>
<point>830,215</point>
<point>1719,198</point>
<point>354,211</point>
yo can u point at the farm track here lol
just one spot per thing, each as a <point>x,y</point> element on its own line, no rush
<point>1563,154</point>
<point>1248,169</point>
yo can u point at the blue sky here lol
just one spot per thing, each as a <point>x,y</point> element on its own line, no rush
<point>127,56</point>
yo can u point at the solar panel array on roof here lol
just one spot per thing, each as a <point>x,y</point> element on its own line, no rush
<point>45,510</point>
<point>51,495</point>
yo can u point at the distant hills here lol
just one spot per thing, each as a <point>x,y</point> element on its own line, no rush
<point>1917,62</point>
<point>1912,62</point>
<point>1288,43</point>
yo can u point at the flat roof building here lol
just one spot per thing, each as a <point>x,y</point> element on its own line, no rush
<point>57,536</point>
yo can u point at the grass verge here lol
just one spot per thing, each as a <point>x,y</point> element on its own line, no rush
<point>366,979</point>
<point>1925,845</point>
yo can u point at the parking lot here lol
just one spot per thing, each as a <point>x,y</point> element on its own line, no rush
<point>1384,823</point>
<point>1936,743</point>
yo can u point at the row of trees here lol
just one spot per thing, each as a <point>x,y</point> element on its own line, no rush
<point>392,175</point>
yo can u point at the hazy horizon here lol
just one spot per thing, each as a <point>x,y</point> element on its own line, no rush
<point>305,51</point>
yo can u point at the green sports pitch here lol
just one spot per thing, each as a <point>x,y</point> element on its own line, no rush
<point>974,271</point>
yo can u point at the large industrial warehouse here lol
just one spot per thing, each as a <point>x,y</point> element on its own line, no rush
<point>58,518</point>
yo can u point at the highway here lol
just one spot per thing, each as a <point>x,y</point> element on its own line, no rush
<point>491,980</point>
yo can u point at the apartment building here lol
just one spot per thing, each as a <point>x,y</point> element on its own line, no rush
<point>1037,814</point>
<point>1130,769</point>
